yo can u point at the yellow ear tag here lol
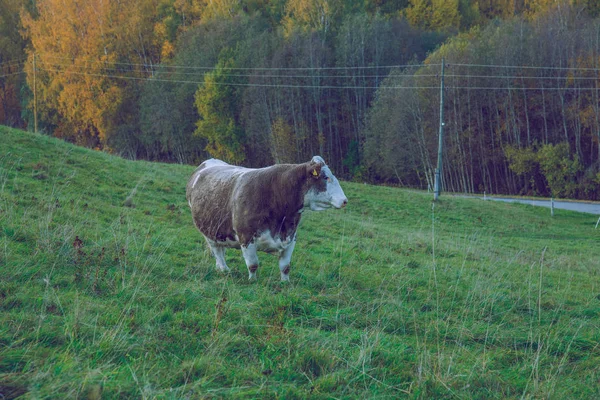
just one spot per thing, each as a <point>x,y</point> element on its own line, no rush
<point>315,172</point>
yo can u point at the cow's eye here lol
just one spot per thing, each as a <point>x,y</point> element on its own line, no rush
<point>325,177</point>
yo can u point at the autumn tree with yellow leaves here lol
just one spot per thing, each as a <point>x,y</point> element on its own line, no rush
<point>83,50</point>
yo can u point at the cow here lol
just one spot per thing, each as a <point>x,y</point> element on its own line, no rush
<point>258,209</point>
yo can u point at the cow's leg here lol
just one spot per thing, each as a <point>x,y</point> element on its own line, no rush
<point>285,257</point>
<point>219,253</point>
<point>251,259</point>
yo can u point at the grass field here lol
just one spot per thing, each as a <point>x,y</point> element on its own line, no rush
<point>108,291</point>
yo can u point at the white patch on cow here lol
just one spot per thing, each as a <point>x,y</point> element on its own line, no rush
<point>285,257</point>
<point>219,253</point>
<point>232,170</point>
<point>318,159</point>
<point>196,180</point>
<point>251,258</point>
<point>218,172</point>
<point>333,196</point>
<point>267,242</point>
<point>213,162</point>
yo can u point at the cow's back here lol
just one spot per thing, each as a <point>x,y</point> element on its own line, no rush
<point>209,193</point>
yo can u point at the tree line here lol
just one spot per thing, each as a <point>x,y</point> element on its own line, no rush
<point>256,82</point>
<point>508,129</point>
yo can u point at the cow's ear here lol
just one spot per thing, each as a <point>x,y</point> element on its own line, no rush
<point>314,170</point>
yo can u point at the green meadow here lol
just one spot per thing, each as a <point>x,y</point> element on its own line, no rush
<point>108,291</point>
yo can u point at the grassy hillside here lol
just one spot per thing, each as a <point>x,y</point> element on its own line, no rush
<point>107,290</point>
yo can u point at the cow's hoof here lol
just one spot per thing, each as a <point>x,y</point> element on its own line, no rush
<point>285,278</point>
<point>252,277</point>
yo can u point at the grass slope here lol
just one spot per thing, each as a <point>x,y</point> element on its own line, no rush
<point>107,290</point>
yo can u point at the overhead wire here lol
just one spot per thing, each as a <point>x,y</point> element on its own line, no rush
<point>419,65</point>
<point>11,74</point>
<point>14,61</point>
<point>148,65</point>
<point>13,108</point>
<point>241,84</point>
<point>521,88</point>
<point>10,67</point>
<point>307,86</point>
<point>288,73</point>
<point>523,77</point>
<point>521,67</point>
<point>242,75</point>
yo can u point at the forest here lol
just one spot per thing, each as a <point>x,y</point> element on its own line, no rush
<point>254,82</point>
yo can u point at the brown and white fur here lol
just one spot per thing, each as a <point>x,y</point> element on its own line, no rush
<point>258,209</point>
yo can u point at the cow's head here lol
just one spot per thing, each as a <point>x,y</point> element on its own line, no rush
<point>324,189</point>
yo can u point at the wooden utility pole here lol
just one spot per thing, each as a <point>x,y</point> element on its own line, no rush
<point>34,98</point>
<point>437,188</point>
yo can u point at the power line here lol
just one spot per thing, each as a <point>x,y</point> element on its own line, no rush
<point>420,65</point>
<point>114,69</point>
<point>253,68</point>
<point>11,74</point>
<point>240,84</point>
<point>315,86</point>
<point>8,67</point>
<point>524,77</point>
<point>14,61</point>
<point>13,108</point>
<point>522,88</point>
<point>250,75</point>
<point>522,67</point>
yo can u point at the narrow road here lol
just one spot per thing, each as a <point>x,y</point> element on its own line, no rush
<point>586,207</point>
